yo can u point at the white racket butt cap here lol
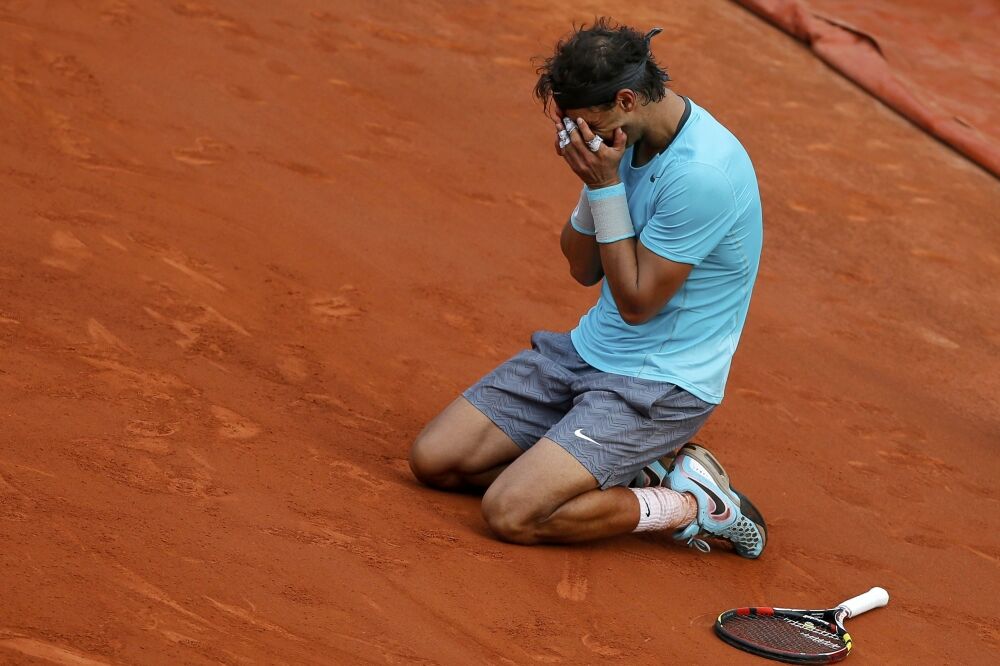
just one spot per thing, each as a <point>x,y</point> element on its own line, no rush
<point>873,598</point>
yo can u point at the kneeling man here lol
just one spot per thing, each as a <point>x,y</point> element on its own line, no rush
<point>586,434</point>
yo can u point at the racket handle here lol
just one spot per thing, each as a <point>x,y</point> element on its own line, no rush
<point>873,598</point>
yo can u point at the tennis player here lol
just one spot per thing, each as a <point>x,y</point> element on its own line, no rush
<point>573,438</point>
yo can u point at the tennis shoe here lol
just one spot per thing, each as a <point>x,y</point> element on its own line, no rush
<point>723,512</point>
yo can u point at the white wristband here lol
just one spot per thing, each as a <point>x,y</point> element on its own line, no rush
<point>609,206</point>
<point>581,219</point>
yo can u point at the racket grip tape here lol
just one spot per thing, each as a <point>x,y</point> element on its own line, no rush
<point>873,598</point>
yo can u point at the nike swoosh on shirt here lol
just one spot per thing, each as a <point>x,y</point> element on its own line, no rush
<point>579,433</point>
<point>647,507</point>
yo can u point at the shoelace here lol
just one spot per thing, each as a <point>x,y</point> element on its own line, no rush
<point>700,544</point>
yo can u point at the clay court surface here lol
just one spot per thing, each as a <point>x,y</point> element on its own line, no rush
<point>247,249</point>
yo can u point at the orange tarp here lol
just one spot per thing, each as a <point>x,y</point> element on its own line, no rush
<point>934,62</point>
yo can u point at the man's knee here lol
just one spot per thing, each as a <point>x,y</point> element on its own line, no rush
<point>431,462</point>
<point>510,515</point>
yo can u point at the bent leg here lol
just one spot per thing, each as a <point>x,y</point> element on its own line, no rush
<point>568,486</point>
<point>494,421</point>
<point>547,496</point>
<point>461,448</point>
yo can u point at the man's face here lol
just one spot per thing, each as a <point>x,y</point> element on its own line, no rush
<point>603,123</point>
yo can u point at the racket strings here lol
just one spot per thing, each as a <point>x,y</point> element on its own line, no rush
<point>789,634</point>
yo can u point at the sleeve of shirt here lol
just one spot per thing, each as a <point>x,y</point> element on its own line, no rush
<point>693,211</point>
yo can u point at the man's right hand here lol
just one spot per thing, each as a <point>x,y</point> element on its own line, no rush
<point>557,122</point>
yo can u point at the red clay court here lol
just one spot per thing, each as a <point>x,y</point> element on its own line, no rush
<point>247,249</point>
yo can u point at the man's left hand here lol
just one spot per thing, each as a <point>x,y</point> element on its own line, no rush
<point>599,168</point>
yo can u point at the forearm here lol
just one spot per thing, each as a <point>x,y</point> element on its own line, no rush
<point>583,255</point>
<point>579,244</point>
<point>616,242</point>
<point>621,270</point>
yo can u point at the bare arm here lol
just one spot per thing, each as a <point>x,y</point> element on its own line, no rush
<point>580,249</point>
<point>583,255</point>
<point>641,281</point>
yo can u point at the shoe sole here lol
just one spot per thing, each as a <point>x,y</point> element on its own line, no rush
<point>748,509</point>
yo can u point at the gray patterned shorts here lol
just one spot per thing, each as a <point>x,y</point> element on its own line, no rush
<point>613,424</point>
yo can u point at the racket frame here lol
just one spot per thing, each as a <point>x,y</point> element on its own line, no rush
<point>831,619</point>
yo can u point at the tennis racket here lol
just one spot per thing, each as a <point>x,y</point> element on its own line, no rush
<point>796,636</point>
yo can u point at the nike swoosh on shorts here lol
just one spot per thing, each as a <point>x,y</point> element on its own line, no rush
<point>579,433</point>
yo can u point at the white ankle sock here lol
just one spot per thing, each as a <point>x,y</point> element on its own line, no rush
<point>662,508</point>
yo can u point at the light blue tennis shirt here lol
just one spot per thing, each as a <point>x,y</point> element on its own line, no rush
<point>695,203</point>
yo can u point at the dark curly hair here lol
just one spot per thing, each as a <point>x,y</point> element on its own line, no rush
<point>596,55</point>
